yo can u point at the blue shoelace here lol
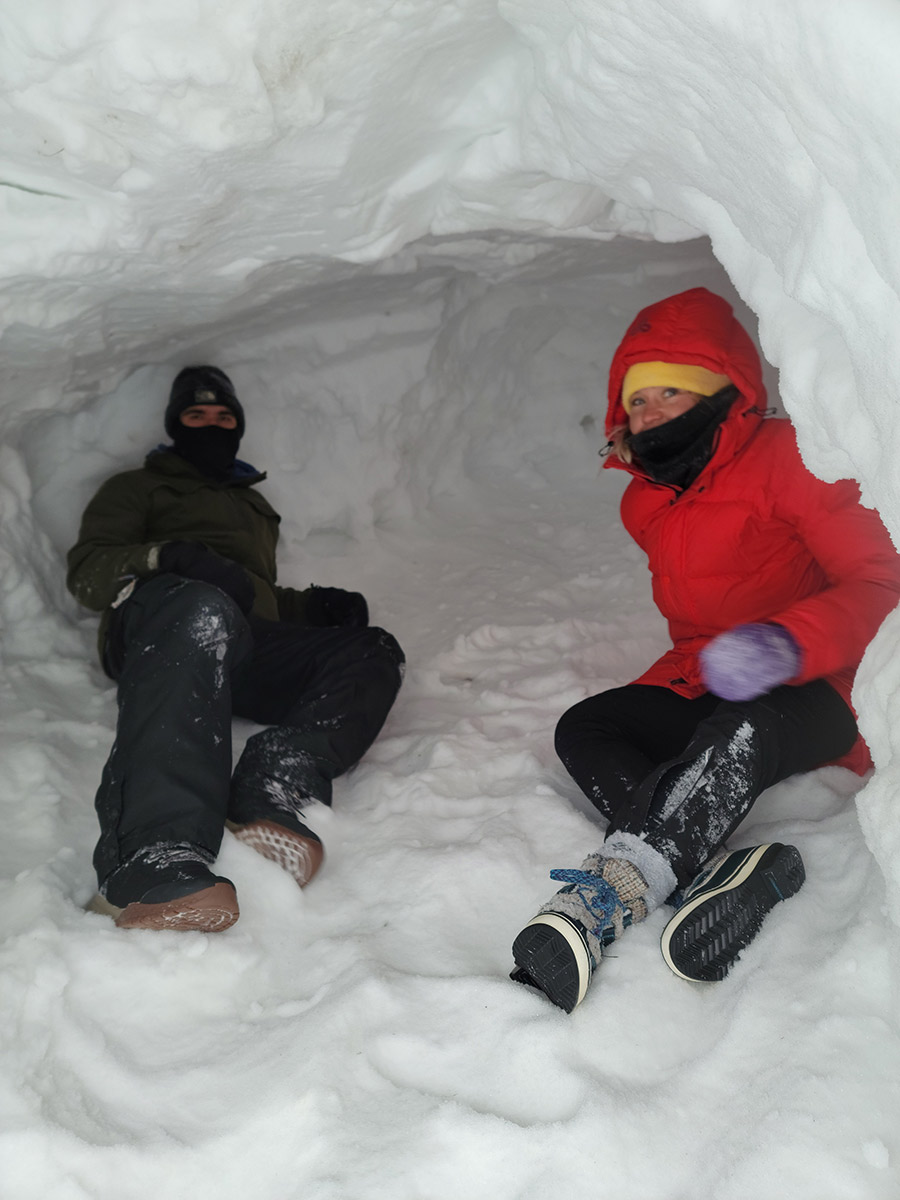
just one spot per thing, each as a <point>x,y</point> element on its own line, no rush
<point>599,897</point>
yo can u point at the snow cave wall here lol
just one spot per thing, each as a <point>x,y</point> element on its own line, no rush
<point>361,209</point>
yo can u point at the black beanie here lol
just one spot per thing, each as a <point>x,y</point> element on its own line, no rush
<point>201,385</point>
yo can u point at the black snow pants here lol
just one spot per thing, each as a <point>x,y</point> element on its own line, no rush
<point>191,660</point>
<point>684,773</point>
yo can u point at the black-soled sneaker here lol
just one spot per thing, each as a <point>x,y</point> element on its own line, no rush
<point>724,908</point>
<point>168,886</point>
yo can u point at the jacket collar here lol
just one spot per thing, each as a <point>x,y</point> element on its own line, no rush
<point>165,461</point>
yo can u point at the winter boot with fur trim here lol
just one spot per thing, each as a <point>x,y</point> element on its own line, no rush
<point>559,950</point>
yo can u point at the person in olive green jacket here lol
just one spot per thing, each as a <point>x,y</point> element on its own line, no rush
<point>179,557</point>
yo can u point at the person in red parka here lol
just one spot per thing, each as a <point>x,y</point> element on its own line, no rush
<point>772,583</point>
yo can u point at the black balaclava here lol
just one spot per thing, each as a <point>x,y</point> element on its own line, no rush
<point>678,450</point>
<point>209,448</point>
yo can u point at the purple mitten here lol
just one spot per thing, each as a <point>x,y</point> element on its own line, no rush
<point>749,660</point>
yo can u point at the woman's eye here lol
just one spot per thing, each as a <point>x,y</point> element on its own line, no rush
<point>637,401</point>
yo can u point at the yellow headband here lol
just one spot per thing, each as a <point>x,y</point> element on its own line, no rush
<point>683,376</point>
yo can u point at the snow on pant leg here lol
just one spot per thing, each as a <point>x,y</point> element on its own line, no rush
<point>326,694</point>
<point>689,806</point>
<point>168,774</point>
<point>611,742</point>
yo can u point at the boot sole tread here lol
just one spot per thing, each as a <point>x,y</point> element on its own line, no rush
<point>551,955</point>
<point>210,910</point>
<point>705,937</point>
<point>299,856</point>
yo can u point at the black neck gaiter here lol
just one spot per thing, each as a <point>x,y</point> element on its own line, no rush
<point>209,448</point>
<point>677,451</point>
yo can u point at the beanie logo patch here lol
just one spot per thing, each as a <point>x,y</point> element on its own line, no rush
<point>204,396</point>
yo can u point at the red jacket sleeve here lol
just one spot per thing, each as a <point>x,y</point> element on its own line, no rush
<point>854,550</point>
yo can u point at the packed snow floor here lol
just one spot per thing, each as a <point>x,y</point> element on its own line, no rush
<point>361,1040</point>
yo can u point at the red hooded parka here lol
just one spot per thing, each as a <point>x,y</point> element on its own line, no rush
<point>756,536</point>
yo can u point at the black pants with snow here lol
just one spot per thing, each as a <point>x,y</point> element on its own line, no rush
<point>191,661</point>
<point>684,773</point>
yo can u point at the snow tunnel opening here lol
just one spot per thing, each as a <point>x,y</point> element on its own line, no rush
<point>460,383</point>
<point>375,390</point>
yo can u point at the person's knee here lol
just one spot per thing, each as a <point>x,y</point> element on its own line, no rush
<point>378,643</point>
<point>571,726</point>
<point>195,613</point>
<point>614,715</point>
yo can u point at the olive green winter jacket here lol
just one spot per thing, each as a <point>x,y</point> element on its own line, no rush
<point>168,500</point>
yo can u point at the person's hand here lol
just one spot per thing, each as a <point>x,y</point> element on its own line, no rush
<point>749,660</point>
<point>193,560</point>
<point>333,606</point>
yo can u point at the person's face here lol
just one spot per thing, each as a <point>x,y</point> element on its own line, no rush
<point>655,405</point>
<point>199,415</point>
